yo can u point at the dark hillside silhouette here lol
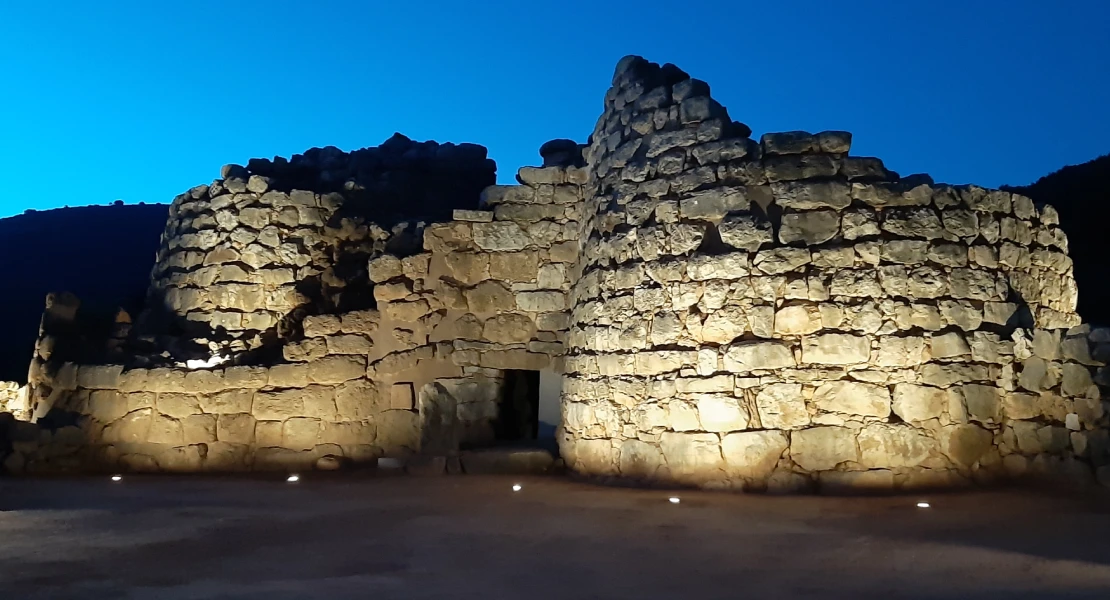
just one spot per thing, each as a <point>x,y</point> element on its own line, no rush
<point>103,254</point>
<point>1081,194</point>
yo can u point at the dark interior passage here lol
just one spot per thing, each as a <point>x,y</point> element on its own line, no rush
<point>518,409</point>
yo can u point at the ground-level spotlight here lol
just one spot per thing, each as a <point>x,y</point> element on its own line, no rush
<point>674,499</point>
<point>117,477</point>
<point>517,487</point>
<point>923,505</point>
<point>293,478</point>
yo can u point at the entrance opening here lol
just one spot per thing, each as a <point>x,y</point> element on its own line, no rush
<point>518,409</point>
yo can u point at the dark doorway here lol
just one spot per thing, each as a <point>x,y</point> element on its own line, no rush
<point>518,411</point>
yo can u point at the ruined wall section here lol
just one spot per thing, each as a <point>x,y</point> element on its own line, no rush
<point>779,315</point>
<point>488,294</point>
<point>245,258</point>
<point>420,376</point>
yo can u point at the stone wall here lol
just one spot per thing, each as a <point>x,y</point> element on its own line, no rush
<point>773,315</point>
<point>420,375</point>
<point>244,258</point>
<point>14,400</point>
<point>780,314</point>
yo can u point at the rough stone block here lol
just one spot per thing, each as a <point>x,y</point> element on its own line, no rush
<point>781,406</point>
<point>336,369</point>
<point>853,398</point>
<point>823,448</point>
<point>836,349</point>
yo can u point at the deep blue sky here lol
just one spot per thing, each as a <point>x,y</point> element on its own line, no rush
<point>141,100</point>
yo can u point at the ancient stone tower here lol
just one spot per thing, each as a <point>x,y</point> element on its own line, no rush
<point>714,311</point>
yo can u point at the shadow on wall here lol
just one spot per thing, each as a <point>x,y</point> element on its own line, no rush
<point>102,254</point>
<point>1081,194</point>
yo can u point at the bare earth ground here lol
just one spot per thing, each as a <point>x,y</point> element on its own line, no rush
<point>472,537</point>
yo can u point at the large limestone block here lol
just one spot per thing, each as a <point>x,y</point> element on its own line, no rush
<point>885,445</point>
<point>199,429</point>
<point>810,228</point>
<point>750,356</point>
<point>823,448</point>
<point>647,363</point>
<point>693,457</point>
<point>856,283</point>
<point>836,349</point>
<point>983,402</point>
<point>235,428</point>
<point>721,413</point>
<point>305,350</point>
<point>591,457</point>
<point>134,427</point>
<point>859,224</point>
<point>489,297</point>
<point>1075,379</point>
<point>406,311</point>
<point>99,377</point>
<point>278,405</point>
<point>781,406</point>
<point>913,222</point>
<point>541,301</point>
<point>300,433</point>
<point>745,232</point>
<point>359,321</point>
<point>165,430</point>
<point>713,204</point>
<point>226,457</point>
<point>753,454</point>
<point>512,266</point>
<point>704,385</point>
<point>336,369</point>
<point>781,260</point>
<point>1016,405</point>
<point>319,402</point>
<point>733,265</point>
<point>467,268</point>
<point>949,345</point>
<point>320,325</point>
<point>509,328</point>
<point>230,401</point>
<point>286,376</point>
<point>178,405</point>
<point>798,320</point>
<point>105,406</point>
<point>853,398</point>
<point>809,195</point>
<point>349,343</point>
<point>187,459</point>
<point>357,400</point>
<point>640,460</point>
<point>917,403</point>
<point>905,351</point>
<point>724,325</point>
<point>500,236</point>
<point>964,444</point>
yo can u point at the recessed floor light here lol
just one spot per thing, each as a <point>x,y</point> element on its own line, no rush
<point>923,505</point>
<point>293,478</point>
<point>517,487</point>
<point>117,477</point>
<point>674,499</point>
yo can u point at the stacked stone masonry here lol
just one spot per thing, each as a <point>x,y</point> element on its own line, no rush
<point>779,315</point>
<point>726,313</point>
<point>420,374</point>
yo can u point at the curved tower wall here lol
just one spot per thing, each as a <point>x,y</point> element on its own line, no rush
<point>243,259</point>
<point>780,314</point>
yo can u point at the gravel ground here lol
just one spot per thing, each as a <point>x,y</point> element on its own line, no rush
<point>473,537</point>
